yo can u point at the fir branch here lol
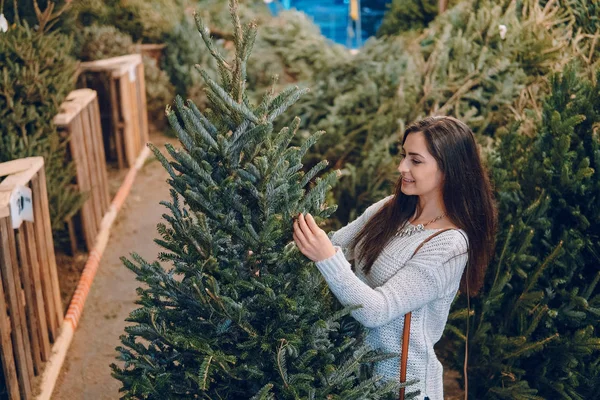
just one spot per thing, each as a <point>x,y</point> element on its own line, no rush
<point>165,163</point>
<point>308,143</point>
<point>186,114</point>
<point>248,175</point>
<point>249,38</point>
<point>47,18</point>
<point>281,360</point>
<point>241,129</point>
<point>179,131</point>
<point>318,190</point>
<point>285,136</point>
<point>239,108</point>
<point>252,137</point>
<point>313,172</point>
<point>264,393</point>
<point>590,289</point>
<point>536,320</point>
<point>456,331</point>
<point>305,358</point>
<point>540,269</point>
<point>501,259</point>
<point>202,132</point>
<point>281,98</point>
<point>238,40</point>
<point>204,32</point>
<point>187,161</point>
<point>267,97</point>
<point>204,368</point>
<point>249,35</point>
<point>204,122</point>
<point>293,98</point>
<point>532,347</point>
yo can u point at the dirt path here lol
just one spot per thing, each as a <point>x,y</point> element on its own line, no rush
<point>86,372</point>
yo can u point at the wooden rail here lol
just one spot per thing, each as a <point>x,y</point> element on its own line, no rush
<point>151,50</point>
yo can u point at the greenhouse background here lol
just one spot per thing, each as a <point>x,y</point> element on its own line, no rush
<point>334,17</point>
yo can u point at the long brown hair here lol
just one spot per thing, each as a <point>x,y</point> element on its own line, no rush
<point>467,195</point>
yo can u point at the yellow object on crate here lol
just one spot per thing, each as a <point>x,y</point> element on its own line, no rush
<point>354,9</point>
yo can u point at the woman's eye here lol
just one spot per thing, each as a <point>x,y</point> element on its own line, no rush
<point>403,155</point>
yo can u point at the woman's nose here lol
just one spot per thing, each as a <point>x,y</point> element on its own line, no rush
<point>402,167</point>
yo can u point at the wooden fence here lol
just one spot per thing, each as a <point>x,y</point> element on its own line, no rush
<point>121,89</point>
<point>30,306</point>
<point>80,119</point>
<point>154,51</point>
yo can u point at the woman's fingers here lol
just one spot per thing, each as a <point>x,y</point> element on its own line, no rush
<point>312,224</point>
<point>300,234</point>
<point>305,228</point>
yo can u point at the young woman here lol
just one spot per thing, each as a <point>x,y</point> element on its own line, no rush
<point>443,184</point>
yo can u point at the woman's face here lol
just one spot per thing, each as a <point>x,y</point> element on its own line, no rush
<point>420,173</point>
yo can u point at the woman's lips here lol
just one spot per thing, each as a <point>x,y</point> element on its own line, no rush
<point>407,181</point>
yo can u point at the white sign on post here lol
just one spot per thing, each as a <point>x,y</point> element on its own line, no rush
<point>21,206</point>
<point>132,71</point>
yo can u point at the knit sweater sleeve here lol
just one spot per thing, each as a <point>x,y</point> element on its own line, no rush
<point>343,237</point>
<point>432,273</point>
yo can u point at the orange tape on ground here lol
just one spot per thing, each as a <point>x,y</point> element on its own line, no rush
<point>91,266</point>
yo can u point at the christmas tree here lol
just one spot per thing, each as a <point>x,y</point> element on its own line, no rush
<point>36,73</point>
<point>534,332</point>
<point>241,313</point>
<point>405,15</point>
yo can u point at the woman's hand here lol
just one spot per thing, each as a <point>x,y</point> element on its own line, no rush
<point>312,241</point>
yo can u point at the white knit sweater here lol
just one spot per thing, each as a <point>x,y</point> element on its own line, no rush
<point>425,285</point>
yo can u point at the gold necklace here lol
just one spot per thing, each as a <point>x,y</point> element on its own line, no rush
<point>408,229</point>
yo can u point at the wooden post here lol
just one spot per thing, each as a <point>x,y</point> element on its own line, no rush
<point>6,349</point>
<point>12,282</point>
<point>442,6</point>
<point>48,247</point>
<point>30,305</point>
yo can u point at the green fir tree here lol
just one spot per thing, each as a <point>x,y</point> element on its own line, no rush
<point>241,313</point>
<point>36,75</point>
<point>406,15</point>
<point>534,331</point>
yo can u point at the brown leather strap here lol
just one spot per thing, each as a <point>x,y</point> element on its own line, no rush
<point>404,358</point>
<point>465,366</point>
<point>406,328</point>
